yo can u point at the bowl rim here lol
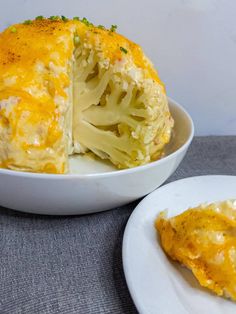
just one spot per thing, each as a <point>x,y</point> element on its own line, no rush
<point>67,176</point>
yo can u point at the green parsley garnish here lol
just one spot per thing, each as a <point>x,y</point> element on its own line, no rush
<point>64,19</point>
<point>113,28</point>
<point>76,39</point>
<point>40,17</point>
<point>83,20</point>
<point>13,29</point>
<point>123,50</point>
<point>86,22</point>
<point>101,27</point>
<point>27,22</point>
<point>54,17</point>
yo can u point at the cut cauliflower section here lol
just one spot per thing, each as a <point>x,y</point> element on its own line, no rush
<point>119,114</point>
<point>68,87</point>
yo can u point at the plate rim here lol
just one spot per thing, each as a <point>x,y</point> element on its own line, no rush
<point>15,173</point>
<point>136,300</point>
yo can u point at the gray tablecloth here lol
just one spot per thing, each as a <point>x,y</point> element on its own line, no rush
<point>73,264</point>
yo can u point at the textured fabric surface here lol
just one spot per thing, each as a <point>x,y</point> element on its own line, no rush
<point>73,264</point>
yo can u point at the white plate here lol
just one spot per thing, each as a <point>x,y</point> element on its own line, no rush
<point>157,285</point>
<point>94,185</point>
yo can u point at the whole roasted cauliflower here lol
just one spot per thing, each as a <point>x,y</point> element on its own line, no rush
<point>68,87</point>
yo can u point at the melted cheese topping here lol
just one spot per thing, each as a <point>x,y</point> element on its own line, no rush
<point>204,240</point>
<point>34,68</point>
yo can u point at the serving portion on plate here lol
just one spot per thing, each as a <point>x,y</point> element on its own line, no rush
<point>159,285</point>
<point>203,239</point>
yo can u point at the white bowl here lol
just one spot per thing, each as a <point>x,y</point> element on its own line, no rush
<point>94,186</point>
